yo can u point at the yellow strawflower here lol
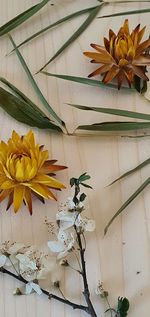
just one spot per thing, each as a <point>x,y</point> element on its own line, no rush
<point>25,170</point>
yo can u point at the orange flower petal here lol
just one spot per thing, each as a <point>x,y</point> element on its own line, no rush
<point>140,34</point>
<point>142,60</point>
<point>51,168</point>
<point>4,194</point>
<point>28,199</point>
<point>143,47</point>
<point>139,72</point>
<point>10,200</point>
<point>100,70</point>
<point>111,74</point>
<point>100,58</point>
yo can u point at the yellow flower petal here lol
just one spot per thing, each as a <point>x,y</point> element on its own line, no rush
<point>15,137</point>
<point>19,171</point>
<point>18,197</point>
<point>7,184</point>
<point>42,191</point>
<point>47,180</point>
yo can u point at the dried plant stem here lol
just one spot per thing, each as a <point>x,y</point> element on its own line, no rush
<point>49,295</point>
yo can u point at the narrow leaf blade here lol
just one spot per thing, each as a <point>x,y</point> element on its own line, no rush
<point>50,26</point>
<point>115,126</point>
<point>133,170</point>
<point>127,202</point>
<point>116,112</point>
<point>79,31</point>
<point>85,81</point>
<point>19,19</point>
<point>35,86</point>
<point>126,13</point>
<point>23,112</point>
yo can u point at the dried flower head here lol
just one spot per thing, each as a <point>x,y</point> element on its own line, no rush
<point>123,56</point>
<point>100,290</point>
<point>25,169</point>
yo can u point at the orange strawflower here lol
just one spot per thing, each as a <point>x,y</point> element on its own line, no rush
<point>25,169</point>
<point>123,56</point>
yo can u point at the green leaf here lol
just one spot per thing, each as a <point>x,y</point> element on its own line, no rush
<point>85,81</point>
<point>138,167</point>
<point>126,13</point>
<point>35,86</point>
<point>82,197</point>
<point>21,96</point>
<point>116,112</point>
<point>50,26</point>
<point>140,84</point>
<point>115,126</point>
<point>84,177</point>
<point>72,181</point>
<point>123,306</point>
<point>86,185</point>
<point>75,35</point>
<point>19,19</point>
<point>24,112</point>
<point>127,202</point>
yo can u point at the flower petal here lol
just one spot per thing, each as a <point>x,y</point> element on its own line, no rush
<point>28,288</point>
<point>42,191</point>
<point>100,58</point>
<point>18,197</point>
<point>4,194</point>
<point>55,246</point>
<point>3,259</point>
<point>36,288</point>
<point>139,72</point>
<point>142,60</point>
<point>111,74</point>
<point>100,70</point>
<point>10,200</point>
<point>28,199</point>
<point>51,168</point>
<point>48,181</point>
<point>143,47</point>
<point>7,184</point>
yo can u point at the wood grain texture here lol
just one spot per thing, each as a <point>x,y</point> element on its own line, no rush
<point>116,258</point>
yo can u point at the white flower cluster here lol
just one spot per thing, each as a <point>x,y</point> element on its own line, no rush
<point>33,265</point>
<point>67,218</point>
<point>29,263</point>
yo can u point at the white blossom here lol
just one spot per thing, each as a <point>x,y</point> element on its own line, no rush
<point>70,203</point>
<point>8,253</point>
<point>35,265</point>
<point>69,219</point>
<point>32,287</point>
<point>63,245</point>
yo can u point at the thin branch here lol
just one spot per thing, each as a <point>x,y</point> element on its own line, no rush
<point>50,296</point>
<point>86,292</point>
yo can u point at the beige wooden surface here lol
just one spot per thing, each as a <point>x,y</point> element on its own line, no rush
<point>116,258</point>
